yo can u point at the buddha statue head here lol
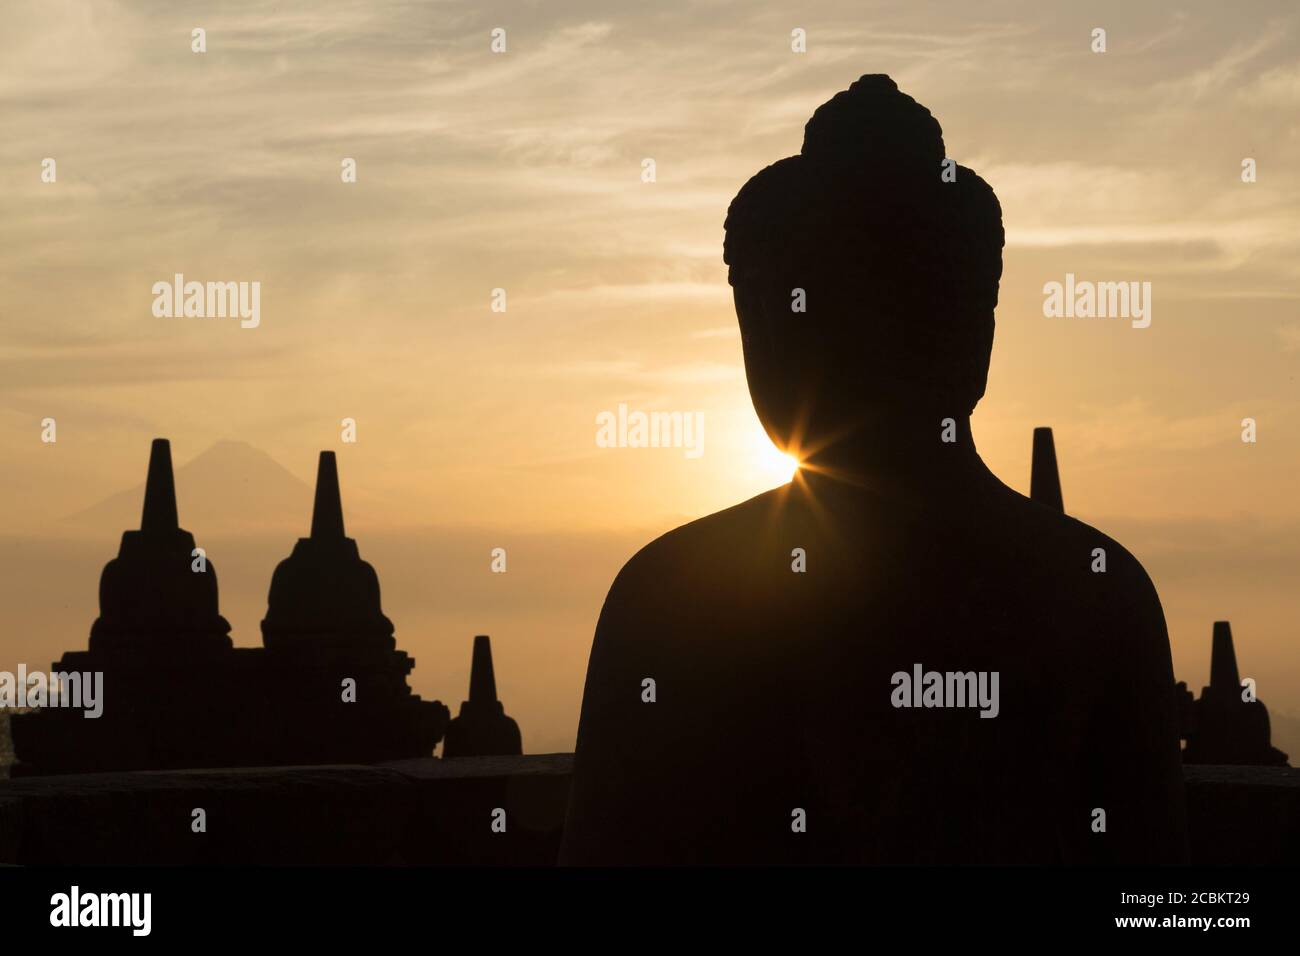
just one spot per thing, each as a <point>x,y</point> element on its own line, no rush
<point>865,272</point>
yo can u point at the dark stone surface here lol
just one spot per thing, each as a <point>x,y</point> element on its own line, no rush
<point>411,812</point>
<point>300,815</point>
<point>1242,815</point>
<point>430,811</point>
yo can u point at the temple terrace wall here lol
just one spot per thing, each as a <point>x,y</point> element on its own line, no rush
<point>430,811</point>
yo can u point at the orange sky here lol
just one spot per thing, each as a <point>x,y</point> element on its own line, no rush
<point>522,171</point>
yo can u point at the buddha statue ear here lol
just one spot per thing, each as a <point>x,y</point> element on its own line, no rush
<point>752,315</point>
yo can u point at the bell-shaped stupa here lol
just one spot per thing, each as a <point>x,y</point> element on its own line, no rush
<point>159,595</point>
<point>332,659</point>
<point>482,727</point>
<point>323,595</point>
<point>160,653</point>
<point>1229,725</point>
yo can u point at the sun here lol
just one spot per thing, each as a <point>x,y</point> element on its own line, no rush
<point>770,464</point>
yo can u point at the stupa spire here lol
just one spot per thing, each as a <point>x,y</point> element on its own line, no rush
<point>1223,659</point>
<point>159,514</point>
<point>482,679</point>
<point>327,514</point>
<point>1044,479</point>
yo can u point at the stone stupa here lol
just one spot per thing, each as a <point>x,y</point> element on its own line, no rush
<point>1225,726</point>
<point>329,686</point>
<point>162,647</point>
<point>482,727</point>
<point>331,652</point>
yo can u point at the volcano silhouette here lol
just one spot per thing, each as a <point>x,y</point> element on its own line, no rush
<point>231,485</point>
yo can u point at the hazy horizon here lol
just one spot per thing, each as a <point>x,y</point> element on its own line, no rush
<point>438,599</point>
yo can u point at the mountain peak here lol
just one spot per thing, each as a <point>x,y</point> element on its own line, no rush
<point>231,485</point>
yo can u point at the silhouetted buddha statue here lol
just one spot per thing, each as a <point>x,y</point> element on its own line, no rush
<point>759,686</point>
